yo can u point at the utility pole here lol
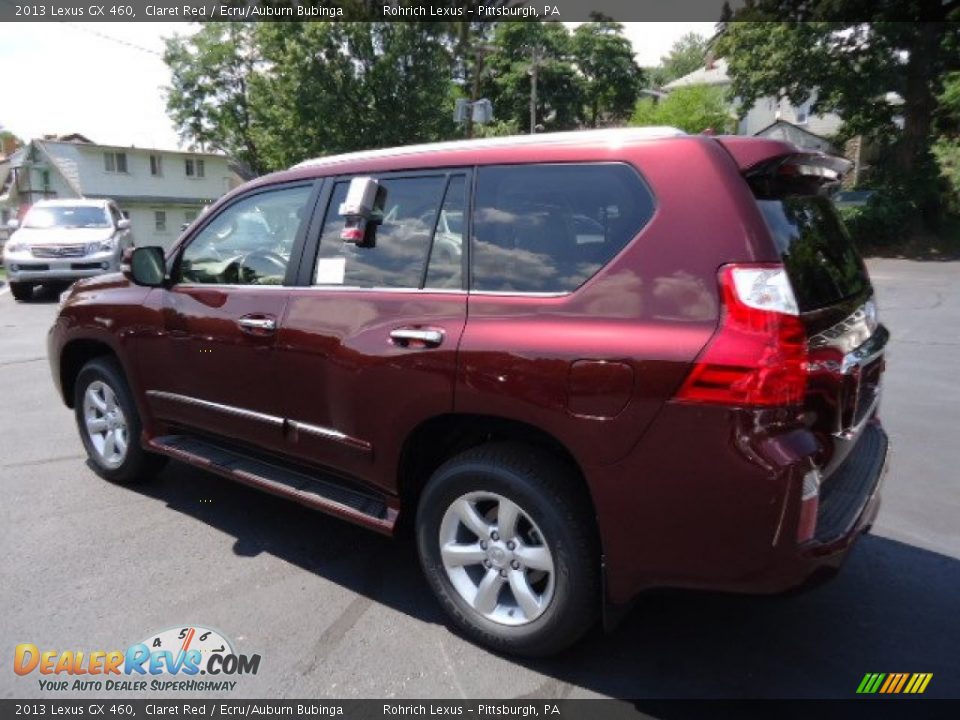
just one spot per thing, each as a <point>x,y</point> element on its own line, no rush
<point>534,69</point>
<point>481,53</point>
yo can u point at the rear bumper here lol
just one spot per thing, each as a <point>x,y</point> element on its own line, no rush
<point>709,500</point>
<point>849,503</point>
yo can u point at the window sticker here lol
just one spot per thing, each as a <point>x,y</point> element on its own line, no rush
<point>331,270</point>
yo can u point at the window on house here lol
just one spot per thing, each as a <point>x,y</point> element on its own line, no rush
<point>115,162</point>
<point>193,168</point>
<point>46,179</point>
<point>802,113</point>
<point>190,215</point>
<point>160,220</point>
<point>156,165</point>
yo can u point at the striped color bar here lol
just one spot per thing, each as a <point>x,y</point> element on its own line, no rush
<point>894,683</point>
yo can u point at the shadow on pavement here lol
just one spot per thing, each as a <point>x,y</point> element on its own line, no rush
<point>893,608</point>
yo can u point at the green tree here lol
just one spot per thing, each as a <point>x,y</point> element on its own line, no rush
<point>518,45</point>
<point>612,78</point>
<point>850,67</point>
<point>210,98</point>
<point>343,86</point>
<point>687,54</point>
<point>273,94</point>
<point>694,108</point>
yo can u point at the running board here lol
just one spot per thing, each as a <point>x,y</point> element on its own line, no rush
<point>324,494</point>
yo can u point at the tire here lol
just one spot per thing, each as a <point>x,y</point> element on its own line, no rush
<point>110,405</point>
<point>21,291</point>
<point>554,517</point>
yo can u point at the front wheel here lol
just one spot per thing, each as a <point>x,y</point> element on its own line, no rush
<point>509,548</point>
<point>109,423</point>
<point>21,291</point>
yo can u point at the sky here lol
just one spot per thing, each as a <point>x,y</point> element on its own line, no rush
<point>60,78</point>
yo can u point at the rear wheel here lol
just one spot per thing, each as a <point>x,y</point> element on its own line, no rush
<point>508,548</point>
<point>21,291</point>
<point>109,424</point>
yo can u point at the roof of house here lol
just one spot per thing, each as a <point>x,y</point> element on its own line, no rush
<point>713,74</point>
<point>130,148</point>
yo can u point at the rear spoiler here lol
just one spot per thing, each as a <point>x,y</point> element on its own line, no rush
<point>762,156</point>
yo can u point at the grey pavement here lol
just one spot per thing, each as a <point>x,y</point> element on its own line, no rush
<point>336,611</point>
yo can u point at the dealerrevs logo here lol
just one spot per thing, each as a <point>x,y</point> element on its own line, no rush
<point>156,663</point>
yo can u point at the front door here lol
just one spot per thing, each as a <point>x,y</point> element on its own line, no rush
<point>212,370</point>
<point>368,349</point>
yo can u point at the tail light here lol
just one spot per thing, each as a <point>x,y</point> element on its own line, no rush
<point>758,356</point>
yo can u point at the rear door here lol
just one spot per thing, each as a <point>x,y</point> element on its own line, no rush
<point>211,368</point>
<point>834,296</point>
<point>368,346</point>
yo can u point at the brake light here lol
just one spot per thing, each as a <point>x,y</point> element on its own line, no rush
<point>758,356</point>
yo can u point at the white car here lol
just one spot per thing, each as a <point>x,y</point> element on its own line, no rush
<point>60,241</point>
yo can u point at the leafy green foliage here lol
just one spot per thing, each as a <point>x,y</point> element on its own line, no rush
<point>210,99</point>
<point>947,153</point>
<point>348,86</point>
<point>508,81</point>
<point>849,68</point>
<point>695,108</point>
<point>612,79</point>
<point>885,221</point>
<point>687,54</point>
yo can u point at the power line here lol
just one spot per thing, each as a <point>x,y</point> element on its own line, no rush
<point>111,38</point>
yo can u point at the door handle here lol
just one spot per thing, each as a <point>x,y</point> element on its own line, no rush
<point>257,325</point>
<point>431,337</point>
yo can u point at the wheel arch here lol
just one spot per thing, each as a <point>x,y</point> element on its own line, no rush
<point>439,438</point>
<point>73,357</point>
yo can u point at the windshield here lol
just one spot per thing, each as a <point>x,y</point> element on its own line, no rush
<point>67,216</point>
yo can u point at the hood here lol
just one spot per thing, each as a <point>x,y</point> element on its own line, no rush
<point>59,235</point>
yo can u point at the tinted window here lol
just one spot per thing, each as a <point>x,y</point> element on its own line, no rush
<point>446,253</point>
<point>823,265</point>
<point>250,242</point>
<point>402,238</point>
<point>549,228</point>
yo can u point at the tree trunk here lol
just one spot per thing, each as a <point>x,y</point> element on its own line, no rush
<point>912,157</point>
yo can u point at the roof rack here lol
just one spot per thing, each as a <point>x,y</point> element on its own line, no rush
<point>611,136</point>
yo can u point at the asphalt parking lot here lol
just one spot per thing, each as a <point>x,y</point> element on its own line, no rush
<point>336,611</point>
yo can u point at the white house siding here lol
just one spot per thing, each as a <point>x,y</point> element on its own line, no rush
<point>143,221</point>
<point>79,170</point>
<point>138,180</point>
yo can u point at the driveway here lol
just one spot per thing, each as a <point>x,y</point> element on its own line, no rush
<point>335,611</point>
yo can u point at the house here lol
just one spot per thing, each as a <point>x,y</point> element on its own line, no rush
<point>767,112</point>
<point>159,190</point>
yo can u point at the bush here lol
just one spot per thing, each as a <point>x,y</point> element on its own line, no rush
<point>884,222</point>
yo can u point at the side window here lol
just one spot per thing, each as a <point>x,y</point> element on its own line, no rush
<point>549,228</point>
<point>248,243</point>
<point>446,253</point>
<point>115,214</point>
<point>403,237</point>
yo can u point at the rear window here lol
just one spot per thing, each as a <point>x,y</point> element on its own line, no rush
<point>549,228</point>
<point>823,265</point>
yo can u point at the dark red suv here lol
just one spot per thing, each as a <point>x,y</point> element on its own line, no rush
<point>580,364</point>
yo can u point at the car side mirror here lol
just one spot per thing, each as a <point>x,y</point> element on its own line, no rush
<point>147,266</point>
<point>13,224</point>
<point>123,224</point>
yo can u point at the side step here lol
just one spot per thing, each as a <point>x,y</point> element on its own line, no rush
<point>320,493</point>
